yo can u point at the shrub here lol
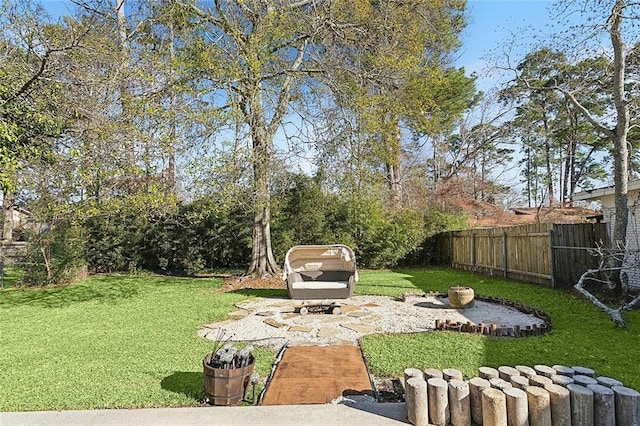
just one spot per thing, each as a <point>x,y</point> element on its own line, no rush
<point>114,238</point>
<point>430,250</point>
<point>186,239</point>
<point>144,232</point>
<point>55,256</point>
<point>299,216</point>
<point>307,215</point>
<point>383,238</point>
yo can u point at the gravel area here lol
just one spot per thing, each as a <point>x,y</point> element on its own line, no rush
<point>274,322</point>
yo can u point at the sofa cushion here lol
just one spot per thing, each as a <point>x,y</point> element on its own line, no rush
<point>319,284</point>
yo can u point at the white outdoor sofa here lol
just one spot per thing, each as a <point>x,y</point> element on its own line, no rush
<point>317,272</point>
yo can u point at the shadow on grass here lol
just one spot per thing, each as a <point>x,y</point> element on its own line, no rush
<point>107,289</point>
<point>59,297</point>
<point>267,293</point>
<point>188,383</point>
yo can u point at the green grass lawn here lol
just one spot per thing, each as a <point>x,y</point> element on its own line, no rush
<point>582,335</point>
<point>11,275</point>
<point>130,341</point>
<point>109,342</point>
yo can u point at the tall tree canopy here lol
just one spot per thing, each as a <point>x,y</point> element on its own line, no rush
<point>31,54</point>
<point>395,73</point>
<point>256,55</point>
<point>555,136</point>
<point>615,21</point>
<point>32,113</point>
<point>221,89</point>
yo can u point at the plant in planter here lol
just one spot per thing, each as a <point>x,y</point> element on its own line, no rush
<point>227,372</point>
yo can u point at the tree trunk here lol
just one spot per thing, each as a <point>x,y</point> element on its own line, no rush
<point>621,179</point>
<point>569,171</point>
<point>528,169</point>
<point>621,151</point>
<point>171,148</point>
<point>393,160</point>
<point>262,260</point>
<point>395,184</point>
<point>125,90</point>
<point>547,159</point>
<point>571,183</point>
<point>7,210</point>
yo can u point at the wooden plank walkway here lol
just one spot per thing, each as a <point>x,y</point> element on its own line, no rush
<point>317,375</point>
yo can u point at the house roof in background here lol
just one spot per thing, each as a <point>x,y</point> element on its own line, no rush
<point>595,194</point>
<point>483,215</point>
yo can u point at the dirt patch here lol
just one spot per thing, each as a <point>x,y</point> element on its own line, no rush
<point>253,283</point>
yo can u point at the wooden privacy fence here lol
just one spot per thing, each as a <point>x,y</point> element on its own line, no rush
<point>552,254</point>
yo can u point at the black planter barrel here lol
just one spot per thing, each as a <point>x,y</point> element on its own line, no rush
<point>226,386</point>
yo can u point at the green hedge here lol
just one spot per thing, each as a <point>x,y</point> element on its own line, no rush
<point>130,234</point>
<point>188,239</point>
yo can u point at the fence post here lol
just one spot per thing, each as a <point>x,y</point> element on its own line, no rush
<point>473,252</point>
<point>552,259</point>
<point>505,254</point>
<point>1,265</point>
<point>451,248</point>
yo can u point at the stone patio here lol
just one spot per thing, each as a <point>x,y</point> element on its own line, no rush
<point>275,322</point>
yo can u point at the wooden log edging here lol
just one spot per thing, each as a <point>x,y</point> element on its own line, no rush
<point>546,403</point>
<point>498,330</point>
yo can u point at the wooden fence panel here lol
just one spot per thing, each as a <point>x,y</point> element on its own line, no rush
<point>461,249</point>
<point>571,244</point>
<point>489,250</point>
<point>541,253</point>
<point>521,252</point>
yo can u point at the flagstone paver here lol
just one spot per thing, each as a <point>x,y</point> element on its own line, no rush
<point>362,328</point>
<point>301,328</point>
<point>241,313</point>
<point>328,332</point>
<point>273,322</point>
<point>349,308</point>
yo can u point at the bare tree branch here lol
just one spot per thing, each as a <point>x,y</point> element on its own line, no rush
<point>605,257</point>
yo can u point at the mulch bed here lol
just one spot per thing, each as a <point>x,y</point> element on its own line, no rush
<point>253,283</point>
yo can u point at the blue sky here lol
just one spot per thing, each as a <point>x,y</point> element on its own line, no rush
<point>492,24</point>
